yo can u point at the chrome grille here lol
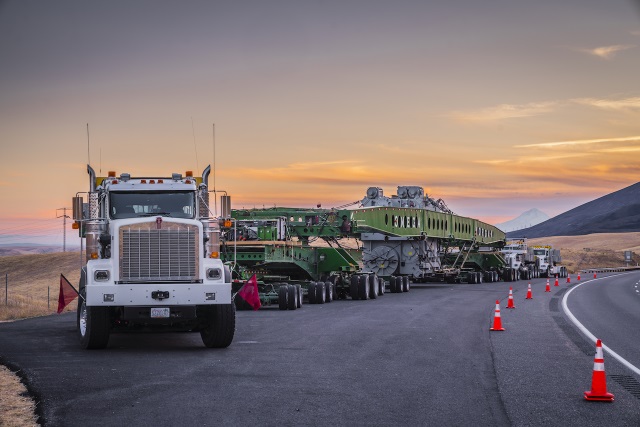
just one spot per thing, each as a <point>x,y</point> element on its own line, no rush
<point>148,254</point>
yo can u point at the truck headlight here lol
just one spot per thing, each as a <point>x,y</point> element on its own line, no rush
<point>214,273</point>
<point>101,275</point>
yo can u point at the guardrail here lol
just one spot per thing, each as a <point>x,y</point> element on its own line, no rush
<point>609,269</point>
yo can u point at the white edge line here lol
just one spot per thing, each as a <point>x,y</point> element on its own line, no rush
<point>585,331</point>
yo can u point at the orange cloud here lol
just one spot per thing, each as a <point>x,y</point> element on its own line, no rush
<point>607,52</point>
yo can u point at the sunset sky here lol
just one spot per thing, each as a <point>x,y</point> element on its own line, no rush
<point>494,106</point>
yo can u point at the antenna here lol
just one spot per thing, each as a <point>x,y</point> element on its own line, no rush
<point>195,147</point>
<point>215,196</point>
<point>88,151</point>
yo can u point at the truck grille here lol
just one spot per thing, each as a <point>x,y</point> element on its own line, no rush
<point>151,255</point>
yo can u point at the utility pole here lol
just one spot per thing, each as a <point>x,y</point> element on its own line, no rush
<point>64,217</point>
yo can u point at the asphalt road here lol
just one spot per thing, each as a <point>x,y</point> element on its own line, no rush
<point>422,358</point>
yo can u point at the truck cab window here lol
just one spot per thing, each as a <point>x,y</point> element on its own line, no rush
<point>141,204</point>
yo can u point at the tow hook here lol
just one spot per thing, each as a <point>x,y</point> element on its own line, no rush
<point>160,295</point>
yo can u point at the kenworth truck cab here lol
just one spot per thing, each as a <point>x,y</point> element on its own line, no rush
<point>152,251</point>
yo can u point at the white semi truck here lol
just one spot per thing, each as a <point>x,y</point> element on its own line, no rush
<point>548,259</point>
<point>520,264</point>
<point>152,251</point>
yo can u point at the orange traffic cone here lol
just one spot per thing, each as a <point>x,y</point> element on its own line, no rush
<point>556,284</point>
<point>578,276</point>
<point>497,322</point>
<point>529,296</point>
<point>598,379</point>
<point>568,278</point>
<point>510,303</point>
<point>548,288</point>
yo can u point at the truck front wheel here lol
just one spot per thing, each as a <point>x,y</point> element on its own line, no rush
<point>219,325</point>
<point>93,325</point>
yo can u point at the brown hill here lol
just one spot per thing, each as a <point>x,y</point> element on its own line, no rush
<point>593,250</point>
<point>30,278</point>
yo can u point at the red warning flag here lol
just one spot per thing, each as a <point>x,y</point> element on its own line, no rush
<point>249,293</point>
<point>67,293</point>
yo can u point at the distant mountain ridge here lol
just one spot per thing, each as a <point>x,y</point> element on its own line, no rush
<point>527,219</point>
<point>617,212</point>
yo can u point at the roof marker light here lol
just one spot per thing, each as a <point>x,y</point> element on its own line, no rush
<point>112,174</point>
<point>189,174</point>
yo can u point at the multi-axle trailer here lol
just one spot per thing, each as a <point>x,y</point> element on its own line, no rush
<point>385,243</point>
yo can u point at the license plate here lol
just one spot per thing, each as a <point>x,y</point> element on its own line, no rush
<point>160,312</point>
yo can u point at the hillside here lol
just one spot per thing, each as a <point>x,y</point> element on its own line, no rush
<point>29,278</point>
<point>614,213</point>
<point>593,250</point>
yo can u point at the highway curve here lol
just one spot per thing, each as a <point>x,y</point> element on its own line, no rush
<point>422,358</point>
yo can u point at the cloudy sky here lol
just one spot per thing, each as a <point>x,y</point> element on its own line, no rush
<point>495,106</point>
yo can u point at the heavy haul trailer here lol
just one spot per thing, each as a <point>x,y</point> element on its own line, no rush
<point>294,253</point>
<point>411,235</point>
<point>407,237</point>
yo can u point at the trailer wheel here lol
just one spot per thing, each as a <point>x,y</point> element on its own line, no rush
<point>363,287</point>
<point>353,287</point>
<point>93,325</point>
<point>321,293</point>
<point>398,285</point>
<point>311,292</point>
<point>373,286</point>
<point>405,284</point>
<point>329,291</point>
<point>479,273</point>
<point>220,325</point>
<point>381,287</point>
<point>283,296</point>
<point>299,296</point>
<point>292,297</point>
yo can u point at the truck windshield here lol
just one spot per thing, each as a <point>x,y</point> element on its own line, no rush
<point>178,204</point>
<point>539,251</point>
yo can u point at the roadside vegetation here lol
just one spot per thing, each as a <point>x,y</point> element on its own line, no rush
<point>32,283</point>
<point>16,407</point>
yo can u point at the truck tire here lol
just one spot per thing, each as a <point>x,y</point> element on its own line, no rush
<point>93,325</point>
<point>292,297</point>
<point>283,297</point>
<point>311,293</point>
<point>363,287</point>
<point>399,284</point>
<point>381,287</point>
<point>479,273</point>
<point>405,284</point>
<point>321,293</point>
<point>299,295</point>
<point>373,286</point>
<point>353,287</point>
<point>329,291</point>
<point>219,325</point>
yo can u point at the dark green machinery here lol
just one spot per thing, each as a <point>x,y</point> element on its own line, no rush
<point>385,243</point>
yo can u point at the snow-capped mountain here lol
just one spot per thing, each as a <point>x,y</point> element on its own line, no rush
<point>527,219</point>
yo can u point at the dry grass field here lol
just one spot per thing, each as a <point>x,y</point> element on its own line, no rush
<point>593,250</point>
<point>29,277</point>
